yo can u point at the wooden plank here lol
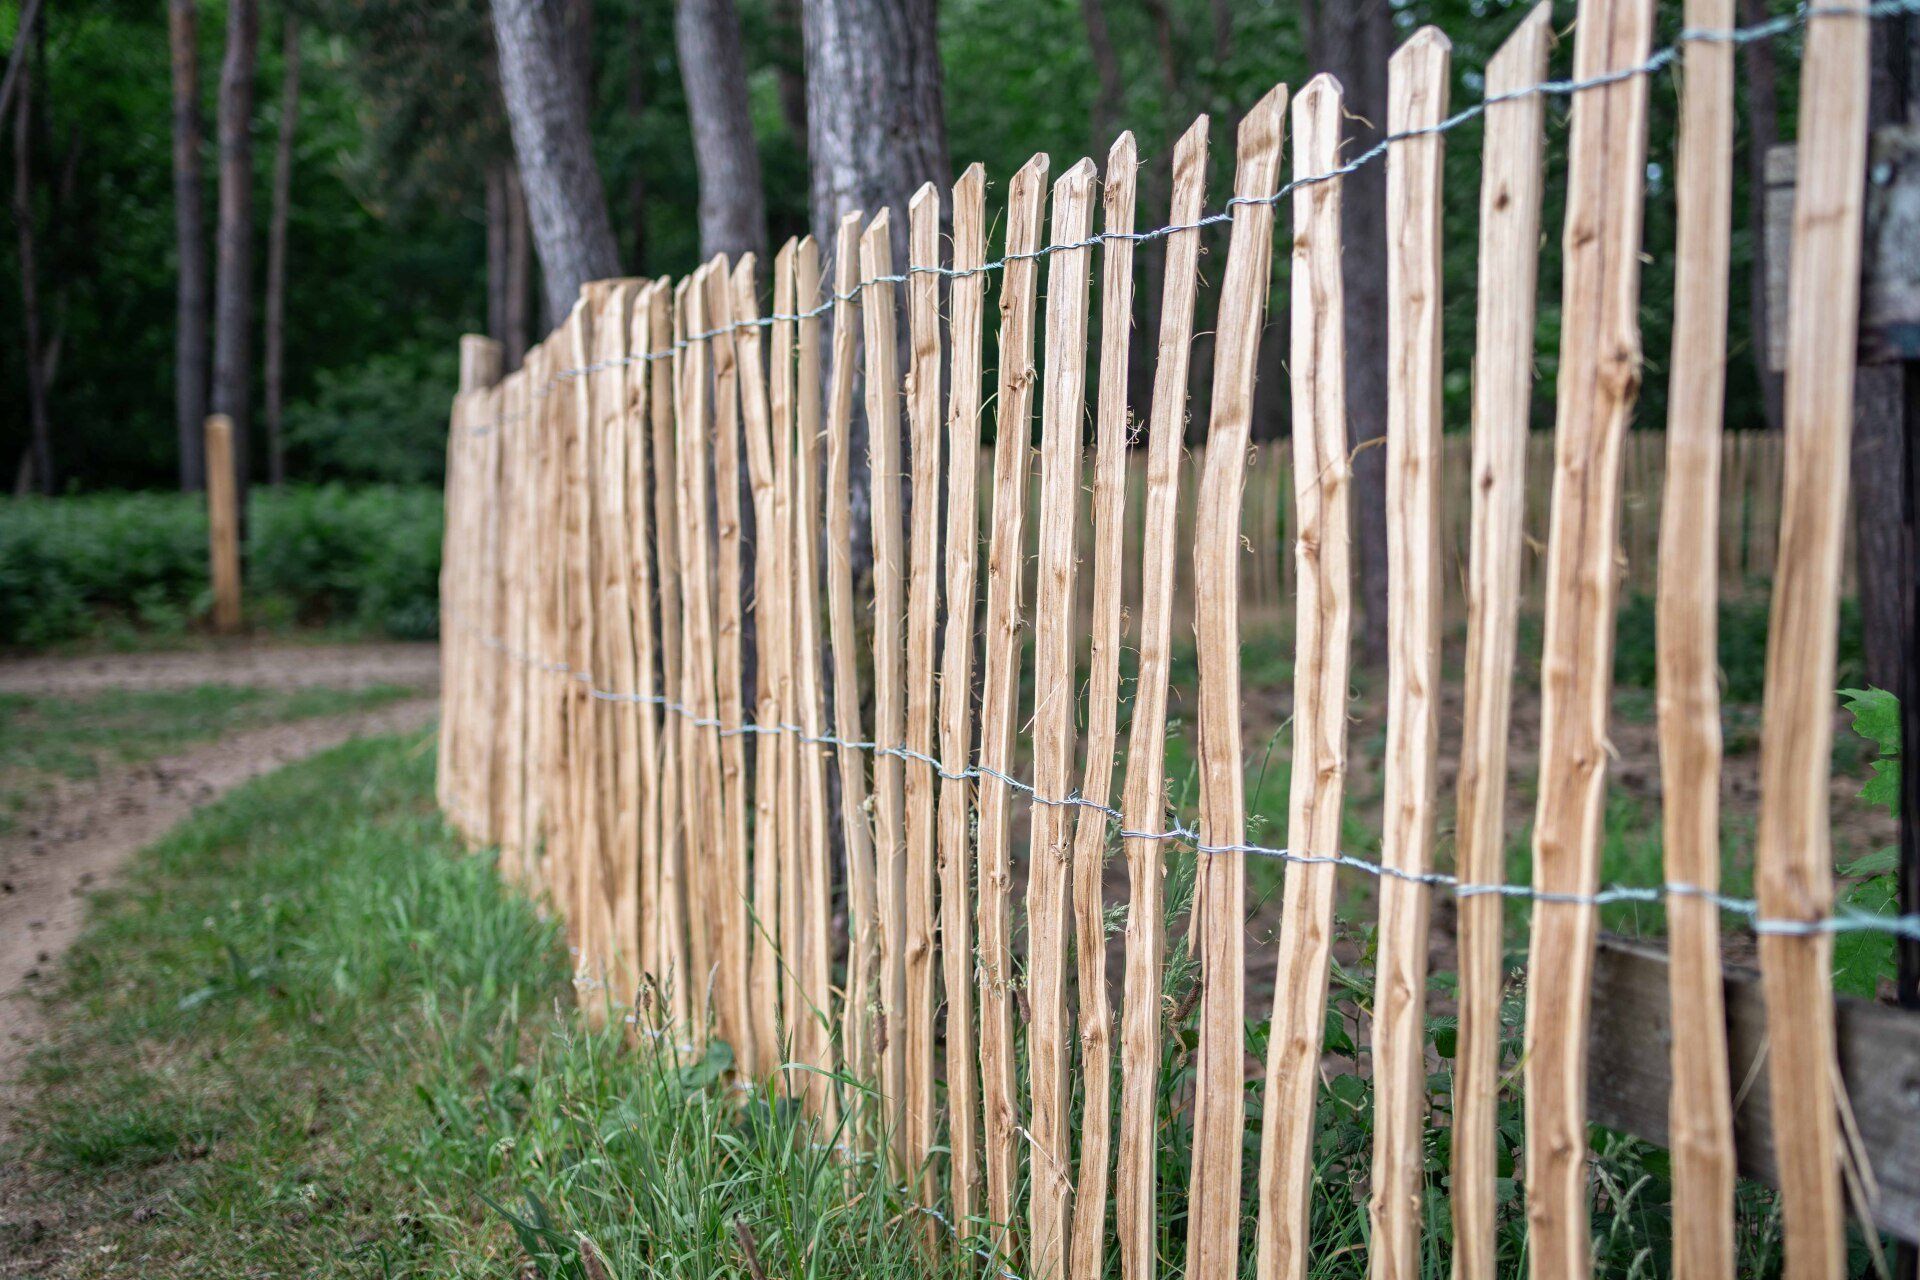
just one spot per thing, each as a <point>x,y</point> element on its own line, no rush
<point>1144,794</point>
<point>1219,1120</point>
<point>923,602</point>
<point>889,712</point>
<point>644,379</point>
<point>732,987</point>
<point>1793,854</point>
<point>856,831</point>
<point>518,482</point>
<point>1599,379</point>
<point>1000,689</point>
<point>1049,904</point>
<point>816,878</point>
<point>1416,103</point>
<point>1323,612</point>
<point>1512,181</point>
<point>1630,1087</point>
<point>966,308</point>
<point>223,534</point>
<point>673,968</point>
<point>766,939</point>
<point>1087,1252</point>
<point>581,847</point>
<point>777,802</point>
<point>1688,595</point>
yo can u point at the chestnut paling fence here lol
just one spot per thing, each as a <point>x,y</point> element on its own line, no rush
<point>704,848</point>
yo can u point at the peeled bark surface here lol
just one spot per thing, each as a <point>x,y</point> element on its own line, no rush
<point>276,326</point>
<point>233,280</point>
<point>542,82</point>
<point>190,237</point>
<point>733,212</point>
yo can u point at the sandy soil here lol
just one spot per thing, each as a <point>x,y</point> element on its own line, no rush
<point>353,666</point>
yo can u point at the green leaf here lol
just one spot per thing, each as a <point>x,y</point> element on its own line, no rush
<point>1876,717</point>
<point>1885,862</point>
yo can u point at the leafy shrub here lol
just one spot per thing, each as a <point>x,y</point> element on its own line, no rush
<point>366,558</point>
<point>382,420</point>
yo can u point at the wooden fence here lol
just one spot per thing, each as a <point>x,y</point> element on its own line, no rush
<point>829,882</point>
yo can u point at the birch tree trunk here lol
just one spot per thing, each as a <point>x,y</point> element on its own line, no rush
<point>233,271</point>
<point>190,241</point>
<point>733,212</point>
<point>276,323</point>
<point>542,83</point>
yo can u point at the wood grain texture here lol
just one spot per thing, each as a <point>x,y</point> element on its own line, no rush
<point>643,380</point>
<point>1144,794</point>
<point>1049,865</point>
<point>966,304</point>
<point>1599,380</point>
<point>1511,185</point>
<point>776,591</point>
<point>923,622</point>
<point>673,969</point>
<point>1416,102</point>
<point>1219,1121</point>
<point>1087,1251</point>
<point>223,537</point>
<point>580,849</point>
<point>999,691</point>
<point>1793,855</point>
<point>1688,694</point>
<point>1322,635</point>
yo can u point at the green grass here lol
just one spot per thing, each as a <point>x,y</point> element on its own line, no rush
<point>49,738</point>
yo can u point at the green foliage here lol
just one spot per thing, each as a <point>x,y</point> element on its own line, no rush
<point>1862,960</point>
<point>1742,649</point>
<point>383,420</point>
<point>367,559</point>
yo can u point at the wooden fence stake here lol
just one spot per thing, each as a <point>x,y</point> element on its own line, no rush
<point>643,381</point>
<point>581,849</point>
<point>1510,196</point>
<point>674,972</point>
<point>223,525</point>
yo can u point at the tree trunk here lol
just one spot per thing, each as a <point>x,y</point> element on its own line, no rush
<point>733,212</point>
<point>40,450</point>
<point>1763,130</point>
<point>518,300</point>
<point>276,326</point>
<point>13,82</point>
<point>636,200</point>
<point>1355,40</point>
<point>190,238</point>
<point>1106,67</point>
<point>233,271</point>
<point>497,253</point>
<point>540,79</point>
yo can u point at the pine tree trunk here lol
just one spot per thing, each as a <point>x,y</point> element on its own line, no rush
<point>40,449</point>
<point>233,271</point>
<point>276,324</point>
<point>190,238</point>
<point>636,199</point>
<point>541,81</point>
<point>519,299</point>
<point>496,181</point>
<point>733,212</point>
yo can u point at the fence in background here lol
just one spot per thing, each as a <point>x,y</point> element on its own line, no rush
<point>703,847</point>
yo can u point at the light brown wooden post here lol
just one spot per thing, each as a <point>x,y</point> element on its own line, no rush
<point>1049,867</point>
<point>1416,103</point>
<point>1144,796</point>
<point>816,877</point>
<point>1213,1223</point>
<point>738,1020</point>
<point>1700,1108</point>
<point>644,378</point>
<point>517,486</point>
<point>223,530</point>
<point>1000,688</point>
<point>923,603</point>
<point>1793,855</point>
<point>1599,379</point>
<point>1087,1252</point>
<point>775,601</point>
<point>673,972</point>
<point>543,635</point>
<point>451,565</point>
<point>1512,180</point>
<point>967,303</point>
<point>766,938</point>
<point>856,831</point>
<point>889,712</point>
<point>1323,608</point>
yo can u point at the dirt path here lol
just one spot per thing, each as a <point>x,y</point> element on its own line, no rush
<point>345,666</point>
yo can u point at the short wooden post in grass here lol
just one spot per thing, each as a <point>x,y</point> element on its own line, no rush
<point>223,525</point>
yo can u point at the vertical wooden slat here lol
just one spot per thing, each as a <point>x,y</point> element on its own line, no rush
<point>1049,869</point>
<point>773,577</point>
<point>223,538</point>
<point>1000,686</point>
<point>816,877</point>
<point>1213,1221</point>
<point>1416,103</point>
<point>515,846</point>
<point>856,831</point>
<point>765,937</point>
<point>1323,619</point>
<point>673,971</point>
<point>1700,1108</point>
<point>967,301</point>
<point>1510,195</point>
<point>737,1014</point>
<point>1599,378</point>
<point>1087,1252</point>
<point>1793,857</point>
<point>644,375</point>
<point>889,712</point>
<point>1144,795</point>
<point>581,849</point>
<point>923,602</point>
